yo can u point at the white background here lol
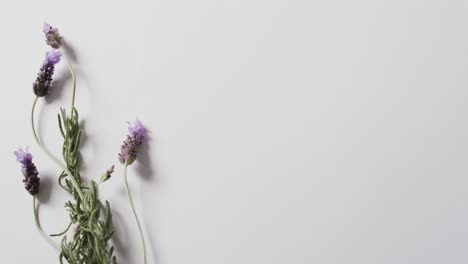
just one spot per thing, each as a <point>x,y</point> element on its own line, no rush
<point>281,131</point>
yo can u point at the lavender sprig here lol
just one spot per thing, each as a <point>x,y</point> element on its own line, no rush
<point>31,175</point>
<point>44,77</point>
<point>31,184</point>
<point>128,154</point>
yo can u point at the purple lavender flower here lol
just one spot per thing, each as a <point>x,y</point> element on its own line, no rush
<point>31,179</point>
<point>52,35</point>
<point>44,77</point>
<point>129,149</point>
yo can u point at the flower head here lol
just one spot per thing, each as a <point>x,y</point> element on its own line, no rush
<point>31,179</point>
<point>52,35</point>
<point>44,77</point>
<point>129,149</point>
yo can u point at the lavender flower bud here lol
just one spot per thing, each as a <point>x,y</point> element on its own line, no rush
<point>31,179</point>
<point>44,77</point>
<point>129,149</point>
<point>52,35</point>
<point>107,174</point>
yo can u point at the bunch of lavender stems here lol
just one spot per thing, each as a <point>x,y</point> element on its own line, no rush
<point>90,220</point>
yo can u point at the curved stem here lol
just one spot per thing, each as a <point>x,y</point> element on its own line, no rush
<point>63,232</point>
<point>70,68</point>
<point>39,228</point>
<point>51,156</point>
<point>32,121</point>
<point>134,213</point>
<point>74,85</point>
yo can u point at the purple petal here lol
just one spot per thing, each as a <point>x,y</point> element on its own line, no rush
<point>137,129</point>
<point>23,156</point>
<point>53,57</point>
<point>46,28</point>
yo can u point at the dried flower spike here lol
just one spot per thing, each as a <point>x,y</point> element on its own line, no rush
<point>31,179</point>
<point>129,149</point>
<point>52,35</point>
<point>44,77</point>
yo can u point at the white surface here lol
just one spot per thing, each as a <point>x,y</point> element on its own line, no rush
<point>281,131</point>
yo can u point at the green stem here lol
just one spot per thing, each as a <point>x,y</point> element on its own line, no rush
<point>70,68</point>
<point>63,232</point>
<point>134,213</point>
<point>39,228</point>
<point>51,156</point>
